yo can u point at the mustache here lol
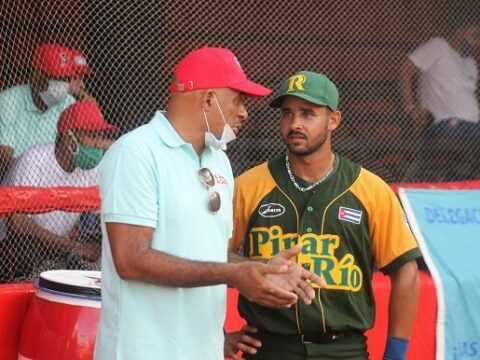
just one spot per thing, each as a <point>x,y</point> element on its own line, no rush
<point>297,133</point>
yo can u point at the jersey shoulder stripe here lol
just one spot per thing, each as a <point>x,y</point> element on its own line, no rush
<point>250,188</point>
<point>390,234</point>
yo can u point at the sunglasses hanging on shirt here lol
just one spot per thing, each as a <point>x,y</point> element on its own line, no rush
<point>208,180</point>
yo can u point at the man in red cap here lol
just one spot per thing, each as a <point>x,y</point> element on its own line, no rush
<point>29,112</point>
<point>71,161</point>
<point>166,192</point>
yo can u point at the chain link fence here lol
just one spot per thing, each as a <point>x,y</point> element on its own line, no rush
<point>134,45</point>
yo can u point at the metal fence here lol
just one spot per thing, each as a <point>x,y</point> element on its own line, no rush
<point>360,45</point>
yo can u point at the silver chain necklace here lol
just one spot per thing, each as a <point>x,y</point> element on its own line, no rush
<point>294,182</point>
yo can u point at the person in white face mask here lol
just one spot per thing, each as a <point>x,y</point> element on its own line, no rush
<point>166,192</point>
<point>29,112</point>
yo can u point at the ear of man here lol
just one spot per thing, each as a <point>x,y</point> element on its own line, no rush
<point>334,119</point>
<point>208,100</point>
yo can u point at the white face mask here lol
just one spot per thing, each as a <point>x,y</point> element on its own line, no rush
<point>56,92</point>
<point>228,134</point>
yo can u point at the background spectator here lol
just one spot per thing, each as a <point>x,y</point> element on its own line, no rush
<point>29,112</point>
<point>446,114</point>
<point>71,161</point>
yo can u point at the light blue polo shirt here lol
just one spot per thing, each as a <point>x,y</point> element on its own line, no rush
<point>22,125</point>
<point>149,177</point>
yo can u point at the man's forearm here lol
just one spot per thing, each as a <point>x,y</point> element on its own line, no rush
<point>23,225</point>
<point>158,267</point>
<point>407,75</point>
<point>6,159</point>
<point>135,259</point>
<point>235,257</point>
<point>403,300</point>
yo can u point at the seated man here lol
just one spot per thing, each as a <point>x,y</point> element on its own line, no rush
<point>447,114</point>
<point>29,112</point>
<point>71,161</point>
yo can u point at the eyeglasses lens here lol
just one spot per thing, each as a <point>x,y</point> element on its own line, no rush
<point>208,180</point>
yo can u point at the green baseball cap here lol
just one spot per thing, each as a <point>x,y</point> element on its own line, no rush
<point>312,87</point>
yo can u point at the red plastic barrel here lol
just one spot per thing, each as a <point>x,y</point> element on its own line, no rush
<point>62,319</point>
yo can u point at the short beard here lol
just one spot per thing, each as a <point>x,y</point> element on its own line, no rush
<point>308,150</point>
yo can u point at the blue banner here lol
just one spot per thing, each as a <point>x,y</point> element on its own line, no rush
<point>446,224</point>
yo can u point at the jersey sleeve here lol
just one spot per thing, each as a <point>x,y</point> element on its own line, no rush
<point>393,244</point>
<point>128,187</point>
<point>250,188</point>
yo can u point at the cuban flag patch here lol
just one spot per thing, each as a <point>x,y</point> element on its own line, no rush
<point>350,215</point>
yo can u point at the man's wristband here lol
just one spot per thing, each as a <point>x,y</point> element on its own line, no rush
<point>396,348</point>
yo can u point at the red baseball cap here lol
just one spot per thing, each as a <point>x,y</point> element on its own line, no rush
<point>60,61</point>
<point>80,63</point>
<point>54,60</point>
<point>210,68</point>
<point>84,115</point>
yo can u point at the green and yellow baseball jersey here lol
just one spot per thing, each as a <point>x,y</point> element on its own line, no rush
<point>347,225</point>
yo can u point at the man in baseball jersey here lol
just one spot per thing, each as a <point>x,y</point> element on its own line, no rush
<point>347,220</point>
<point>167,190</point>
